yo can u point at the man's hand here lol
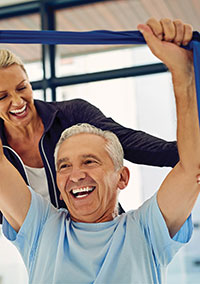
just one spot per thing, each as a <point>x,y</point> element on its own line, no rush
<point>164,38</point>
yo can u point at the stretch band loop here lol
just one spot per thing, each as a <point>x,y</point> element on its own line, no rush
<point>58,37</point>
<point>103,37</point>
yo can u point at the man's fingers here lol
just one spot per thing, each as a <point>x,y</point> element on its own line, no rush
<point>156,27</point>
<point>152,41</point>
<point>180,30</point>
<point>183,32</point>
<point>187,34</point>
<point>147,32</point>
<point>168,28</point>
<point>171,31</point>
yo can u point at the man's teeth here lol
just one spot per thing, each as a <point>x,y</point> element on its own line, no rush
<point>84,189</point>
<point>82,192</point>
<point>81,196</point>
<point>16,111</point>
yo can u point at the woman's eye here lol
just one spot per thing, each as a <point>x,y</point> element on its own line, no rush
<point>21,89</point>
<point>3,97</point>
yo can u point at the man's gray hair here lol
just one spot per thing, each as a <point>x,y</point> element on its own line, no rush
<point>113,146</point>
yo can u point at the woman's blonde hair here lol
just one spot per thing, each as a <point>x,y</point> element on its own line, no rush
<point>8,58</point>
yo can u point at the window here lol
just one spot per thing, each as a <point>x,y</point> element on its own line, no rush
<point>30,54</point>
<point>12,2</point>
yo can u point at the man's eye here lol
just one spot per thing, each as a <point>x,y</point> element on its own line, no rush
<point>90,162</point>
<point>64,166</point>
<point>3,97</point>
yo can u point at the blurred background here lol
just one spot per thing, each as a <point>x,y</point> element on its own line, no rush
<point>126,82</point>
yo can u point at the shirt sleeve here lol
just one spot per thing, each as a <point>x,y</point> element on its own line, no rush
<point>139,147</point>
<point>157,234</point>
<point>26,240</point>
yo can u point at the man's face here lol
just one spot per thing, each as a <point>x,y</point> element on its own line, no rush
<point>87,179</point>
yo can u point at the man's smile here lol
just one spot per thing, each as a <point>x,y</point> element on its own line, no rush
<point>82,191</point>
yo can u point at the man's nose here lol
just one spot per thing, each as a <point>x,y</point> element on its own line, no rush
<point>77,175</point>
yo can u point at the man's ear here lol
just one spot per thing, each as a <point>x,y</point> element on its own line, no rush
<point>124,178</point>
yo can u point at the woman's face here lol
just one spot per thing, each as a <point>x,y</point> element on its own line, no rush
<point>16,97</point>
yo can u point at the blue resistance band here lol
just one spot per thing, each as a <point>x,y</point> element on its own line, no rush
<point>100,37</point>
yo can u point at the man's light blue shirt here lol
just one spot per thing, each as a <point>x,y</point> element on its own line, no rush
<point>134,248</point>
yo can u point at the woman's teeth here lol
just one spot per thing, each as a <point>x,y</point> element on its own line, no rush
<point>18,111</point>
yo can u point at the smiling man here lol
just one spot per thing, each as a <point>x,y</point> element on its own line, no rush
<point>90,242</point>
<point>89,175</point>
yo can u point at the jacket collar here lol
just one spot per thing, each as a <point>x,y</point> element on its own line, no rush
<point>47,111</point>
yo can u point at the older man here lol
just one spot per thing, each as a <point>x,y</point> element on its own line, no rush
<point>90,243</point>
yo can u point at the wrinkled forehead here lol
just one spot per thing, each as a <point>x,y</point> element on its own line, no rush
<point>82,145</point>
<point>83,142</point>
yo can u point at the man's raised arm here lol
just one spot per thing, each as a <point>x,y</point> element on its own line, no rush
<point>15,197</point>
<point>179,191</point>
